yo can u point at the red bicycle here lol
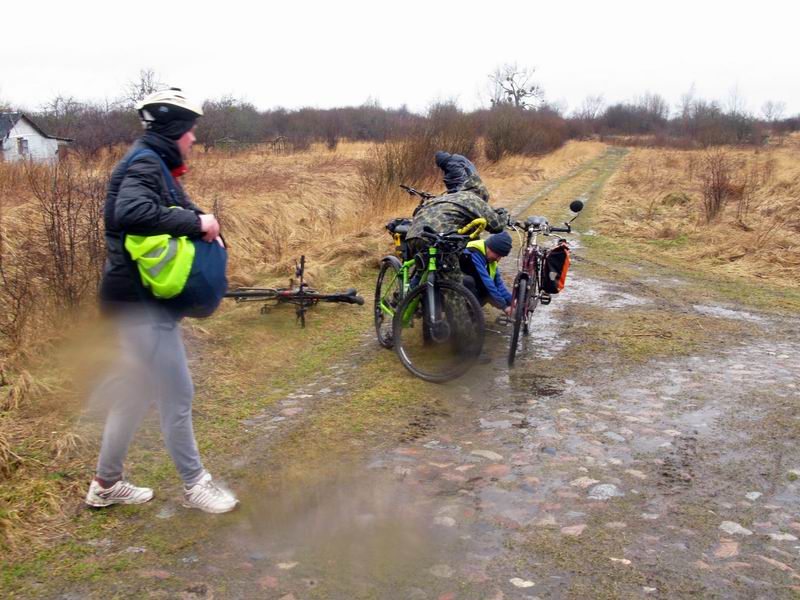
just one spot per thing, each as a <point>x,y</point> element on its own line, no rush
<point>528,291</point>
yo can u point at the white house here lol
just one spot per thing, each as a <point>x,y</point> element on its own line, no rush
<point>21,138</point>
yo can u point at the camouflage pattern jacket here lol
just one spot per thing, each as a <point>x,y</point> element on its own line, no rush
<point>453,211</point>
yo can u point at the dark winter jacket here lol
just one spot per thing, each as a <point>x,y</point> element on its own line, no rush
<point>138,202</point>
<point>453,211</point>
<point>456,168</point>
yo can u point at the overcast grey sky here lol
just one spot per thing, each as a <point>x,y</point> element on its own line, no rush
<point>404,52</point>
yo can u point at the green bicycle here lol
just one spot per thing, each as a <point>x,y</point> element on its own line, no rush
<point>436,326</point>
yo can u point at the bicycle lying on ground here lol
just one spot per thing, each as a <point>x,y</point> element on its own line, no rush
<point>536,278</point>
<point>301,295</point>
<point>437,325</point>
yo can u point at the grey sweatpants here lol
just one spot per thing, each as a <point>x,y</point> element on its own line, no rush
<point>153,368</point>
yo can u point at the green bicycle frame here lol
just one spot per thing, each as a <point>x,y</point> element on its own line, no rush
<point>405,284</point>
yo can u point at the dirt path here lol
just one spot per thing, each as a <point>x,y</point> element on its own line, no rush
<point>643,447</point>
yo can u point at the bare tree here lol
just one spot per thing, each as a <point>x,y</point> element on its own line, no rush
<point>736,104</point>
<point>591,107</point>
<point>147,83</point>
<point>773,111</point>
<point>687,102</point>
<point>654,105</point>
<point>514,85</point>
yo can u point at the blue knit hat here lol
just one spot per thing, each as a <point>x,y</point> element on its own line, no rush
<point>499,243</point>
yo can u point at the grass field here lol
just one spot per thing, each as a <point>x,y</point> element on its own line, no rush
<point>657,198</point>
<point>272,209</point>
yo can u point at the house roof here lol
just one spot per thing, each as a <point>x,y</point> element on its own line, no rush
<point>9,119</point>
<point>7,122</point>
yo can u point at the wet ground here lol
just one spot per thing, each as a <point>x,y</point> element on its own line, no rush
<point>644,446</point>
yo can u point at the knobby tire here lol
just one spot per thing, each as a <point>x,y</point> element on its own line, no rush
<point>478,329</point>
<point>520,308</point>
<point>390,270</point>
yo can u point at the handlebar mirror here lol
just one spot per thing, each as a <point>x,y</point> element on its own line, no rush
<point>576,206</point>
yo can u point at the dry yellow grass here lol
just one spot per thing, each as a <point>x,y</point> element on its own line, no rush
<point>273,208</point>
<point>517,175</point>
<point>657,196</point>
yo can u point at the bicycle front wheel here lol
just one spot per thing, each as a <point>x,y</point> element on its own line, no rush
<point>388,293</point>
<point>440,344</point>
<point>520,310</point>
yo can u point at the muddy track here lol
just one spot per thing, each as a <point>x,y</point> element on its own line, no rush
<point>643,447</point>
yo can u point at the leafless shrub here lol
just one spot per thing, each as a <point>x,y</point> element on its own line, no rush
<point>513,130</point>
<point>716,182</point>
<point>15,273</point>
<point>411,159</point>
<point>69,202</point>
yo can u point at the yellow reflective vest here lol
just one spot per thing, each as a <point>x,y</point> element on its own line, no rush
<point>480,245</point>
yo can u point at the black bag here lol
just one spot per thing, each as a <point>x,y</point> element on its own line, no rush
<point>399,228</point>
<point>206,285</point>
<point>556,265</point>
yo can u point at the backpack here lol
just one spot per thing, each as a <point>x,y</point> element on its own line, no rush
<point>185,275</point>
<point>556,265</point>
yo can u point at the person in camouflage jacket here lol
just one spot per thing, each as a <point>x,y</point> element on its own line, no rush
<point>444,214</point>
<point>452,211</point>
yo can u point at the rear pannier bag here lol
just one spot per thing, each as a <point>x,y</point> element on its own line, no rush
<point>399,228</point>
<point>556,265</point>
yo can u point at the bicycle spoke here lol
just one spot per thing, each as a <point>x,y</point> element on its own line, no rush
<point>441,346</point>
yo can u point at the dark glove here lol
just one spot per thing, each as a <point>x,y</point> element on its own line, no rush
<point>502,214</point>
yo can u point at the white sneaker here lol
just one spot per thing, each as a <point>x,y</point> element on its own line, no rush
<point>122,492</point>
<point>208,496</point>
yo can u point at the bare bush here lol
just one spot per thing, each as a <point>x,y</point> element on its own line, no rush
<point>411,160</point>
<point>51,246</point>
<point>69,202</point>
<point>716,182</point>
<point>510,130</point>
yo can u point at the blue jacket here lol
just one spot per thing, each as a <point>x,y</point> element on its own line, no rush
<point>499,295</point>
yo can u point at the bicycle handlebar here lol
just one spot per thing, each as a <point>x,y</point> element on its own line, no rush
<point>546,230</point>
<point>411,191</point>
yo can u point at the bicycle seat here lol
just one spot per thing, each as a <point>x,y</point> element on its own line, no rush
<point>349,292</point>
<point>399,225</point>
<point>537,222</point>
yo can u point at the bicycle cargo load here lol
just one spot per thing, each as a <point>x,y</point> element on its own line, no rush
<point>556,265</point>
<point>399,228</point>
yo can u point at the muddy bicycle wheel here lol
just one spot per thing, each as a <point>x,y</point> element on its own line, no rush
<point>388,293</point>
<point>445,348</point>
<point>520,310</point>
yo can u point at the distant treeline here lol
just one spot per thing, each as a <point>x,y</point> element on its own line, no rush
<point>507,129</point>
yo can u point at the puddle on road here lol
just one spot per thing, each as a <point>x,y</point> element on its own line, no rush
<point>359,533</point>
<point>727,313</point>
<point>591,291</point>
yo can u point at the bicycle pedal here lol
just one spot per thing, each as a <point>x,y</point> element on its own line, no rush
<point>545,298</point>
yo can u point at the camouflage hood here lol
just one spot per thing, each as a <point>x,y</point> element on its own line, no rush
<point>475,185</point>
